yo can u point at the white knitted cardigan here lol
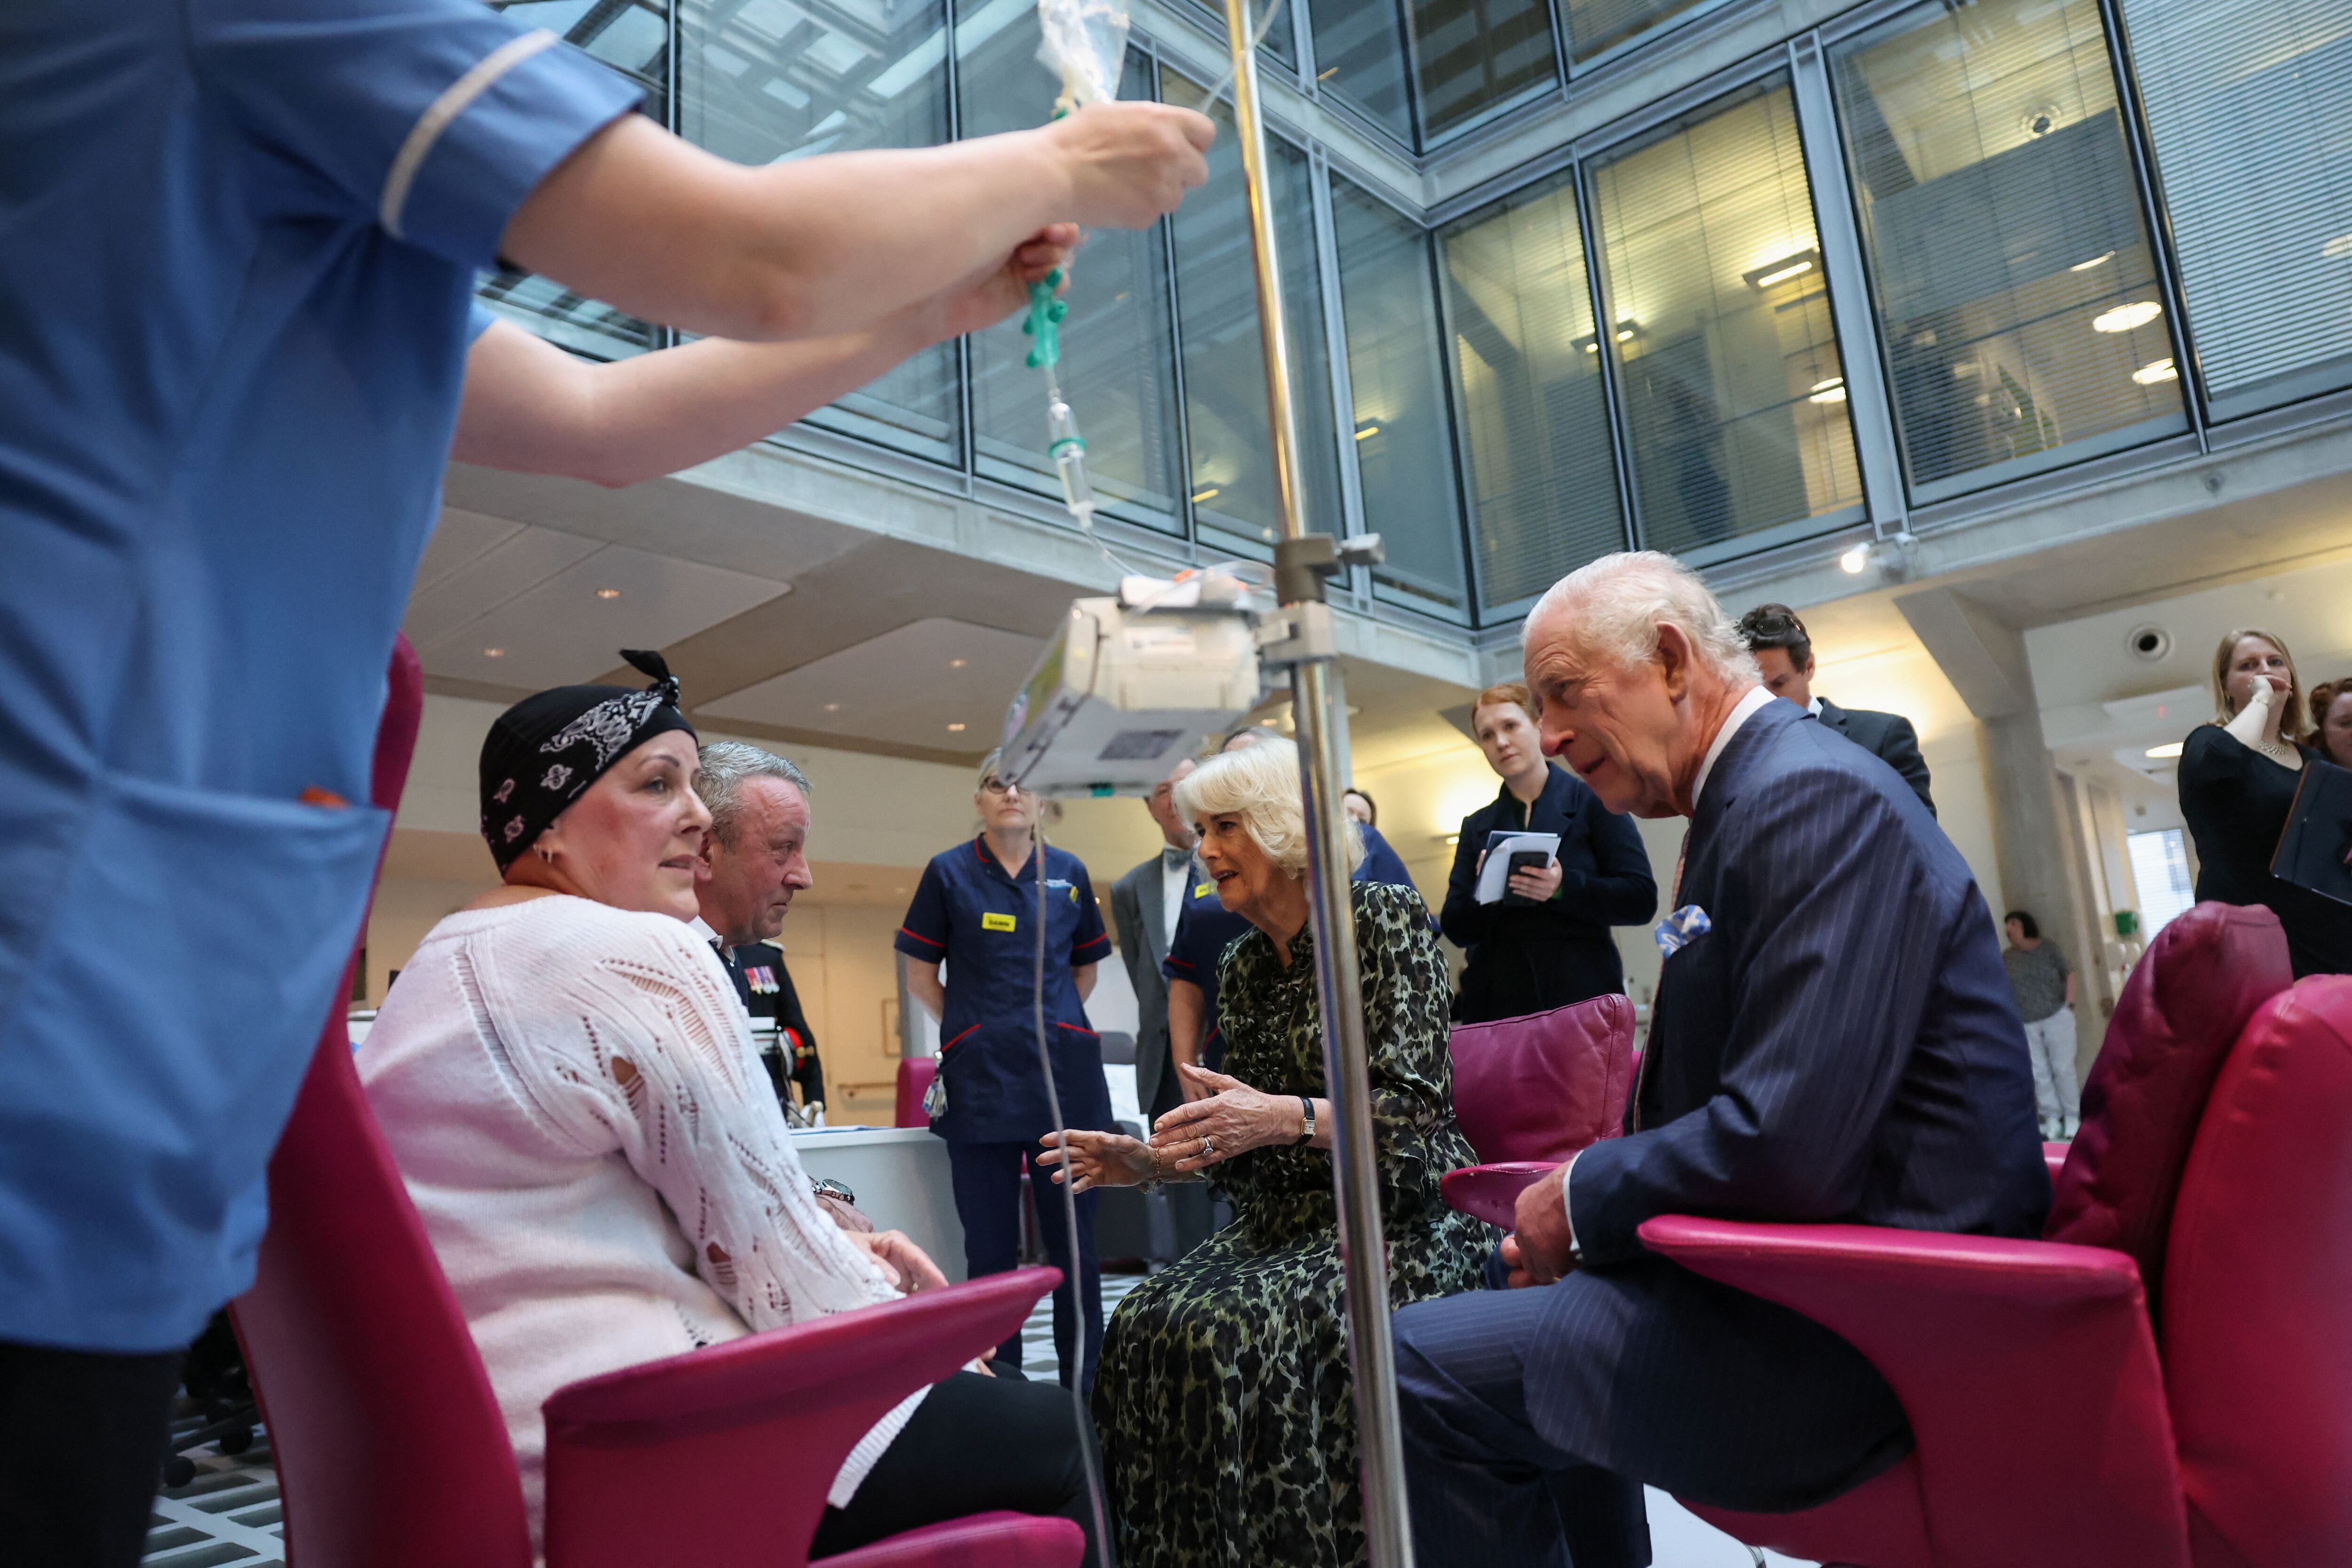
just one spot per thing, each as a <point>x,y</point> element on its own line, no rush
<point>572,1095</point>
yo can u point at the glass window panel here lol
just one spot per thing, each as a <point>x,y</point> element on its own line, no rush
<point>1118,344</point>
<point>1224,366</point>
<point>762,81</point>
<point>1404,444</point>
<point>633,39</point>
<point>1359,56</point>
<point>2016,290</point>
<point>1594,26</point>
<point>1275,39</point>
<point>2250,103</point>
<point>1478,56</point>
<point>1543,483</point>
<point>1735,397</point>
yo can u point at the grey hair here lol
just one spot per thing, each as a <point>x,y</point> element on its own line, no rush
<point>726,764</point>
<point>1260,784</point>
<point>1617,603</point>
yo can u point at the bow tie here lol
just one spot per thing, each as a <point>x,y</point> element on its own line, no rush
<point>1175,860</point>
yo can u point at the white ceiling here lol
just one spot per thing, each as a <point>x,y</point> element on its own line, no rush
<point>532,593</point>
<point>903,687</point>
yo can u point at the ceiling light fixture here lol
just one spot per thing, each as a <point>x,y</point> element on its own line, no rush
<point>2156,372</point>
<point>1830,391</point>
<point>2095,261</point>
<point>1368,431</point>
<point>1210,494</point>
<point>958,663</point>
<point>494,653</point>
<point>2337,248</point>
<point>955,729</point>
<point>833,707</point>
<point>2126,318</point>
<point>2164,753</point>
<point>1853,560</point>
<point>1783,270</point>
<point>608,593</point>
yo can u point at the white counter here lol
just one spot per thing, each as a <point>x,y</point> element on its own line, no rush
<point>900,1178</point>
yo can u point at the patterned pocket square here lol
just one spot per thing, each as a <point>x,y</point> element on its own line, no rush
<point>1678,930</point>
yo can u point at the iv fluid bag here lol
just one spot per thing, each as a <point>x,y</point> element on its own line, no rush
<point>1085,41</point>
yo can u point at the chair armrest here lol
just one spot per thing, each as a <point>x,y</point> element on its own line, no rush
<point>690,1458</point>
<point>1491,1193</point>
<point>2027,1369</point>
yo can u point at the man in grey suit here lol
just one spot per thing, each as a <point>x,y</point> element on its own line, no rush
<point>1784,654</point>
<point>1834,1041</point>
<point>1144,904</point>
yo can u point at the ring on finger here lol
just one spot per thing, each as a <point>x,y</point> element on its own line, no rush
<point>1208,1147</point>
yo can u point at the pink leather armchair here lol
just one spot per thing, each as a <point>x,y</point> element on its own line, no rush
<point>915,1075</point>
<point>2057,1420</point>
<point>1530,1091</point>
<point>391,1450</point>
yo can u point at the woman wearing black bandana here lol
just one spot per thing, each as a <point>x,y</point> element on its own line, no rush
<point>568,1083</point>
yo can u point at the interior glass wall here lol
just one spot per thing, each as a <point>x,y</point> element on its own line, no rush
<point>633,38</point>
<point>1733,395</point>
<point>1535,420</point>
<point>1233,487</point>
<point>1361,58</point>
<point>1403,436</point>
<point>1118,344</point>
<point>2017,293</point>
<point>1595,26</point>
<point>1475,56</point>
<point>765,81</point>
<point>2250,105</point>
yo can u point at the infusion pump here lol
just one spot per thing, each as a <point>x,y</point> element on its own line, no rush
<point>1131,686</point>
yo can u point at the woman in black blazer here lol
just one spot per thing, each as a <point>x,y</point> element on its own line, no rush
<point>1529,957</point>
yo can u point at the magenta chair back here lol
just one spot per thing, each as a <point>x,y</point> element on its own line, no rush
<point>367,1376</point>
<point>1530,1091</point>
<point>915,1075</point>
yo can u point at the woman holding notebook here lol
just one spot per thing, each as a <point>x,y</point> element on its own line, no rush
<point>1538,936</point>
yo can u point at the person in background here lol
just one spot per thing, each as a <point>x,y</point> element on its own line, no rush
<point>1361,808</point>
<point>754,858</point>
<point>1784,652</point>
<point>2238,778</point>
<point>1226,1403</point>
<point>976,911</point>
<point>2331,721</point>
<point>1205,928</point>
<point>2043,983</point>
<point>530,1072</point>
<point>1554,948</point>
<point>238,300</point>
<point>1144,907</point>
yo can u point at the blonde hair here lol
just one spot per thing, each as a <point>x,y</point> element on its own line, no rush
<point>1260,785</point>
<point>2291,710</point>
<point>1622,599</point>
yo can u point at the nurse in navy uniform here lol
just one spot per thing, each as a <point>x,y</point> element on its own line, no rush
<point>976,910</point>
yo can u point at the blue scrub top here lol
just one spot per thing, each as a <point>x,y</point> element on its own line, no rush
<point>983,922</point>
<point>1205,928</point>
<point>238,241</point>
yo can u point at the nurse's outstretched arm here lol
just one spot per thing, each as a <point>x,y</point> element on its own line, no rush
<point>642,220</point>
<point>534,409</point>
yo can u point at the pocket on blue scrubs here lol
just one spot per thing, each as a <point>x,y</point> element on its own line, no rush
<point>163,1027</point>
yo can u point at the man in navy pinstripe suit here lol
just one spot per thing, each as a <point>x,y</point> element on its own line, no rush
<point>1835,1040</point>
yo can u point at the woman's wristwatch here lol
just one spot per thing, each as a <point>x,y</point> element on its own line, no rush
<point>1307,1111</point>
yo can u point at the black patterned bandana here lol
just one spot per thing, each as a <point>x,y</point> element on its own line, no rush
<point>544,750</point>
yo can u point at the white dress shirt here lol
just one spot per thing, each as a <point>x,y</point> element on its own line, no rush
<point>1745,709</point>
<point>1175,876</point>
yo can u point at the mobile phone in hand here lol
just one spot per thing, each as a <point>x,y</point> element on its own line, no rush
<point>1522,860</point>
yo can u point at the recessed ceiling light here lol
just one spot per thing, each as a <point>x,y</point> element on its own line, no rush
<point>2155,372</point>
<point>955,729</point>
<point>1210,494</point>
<point>494,653</point>
<point>958,663</point>
<point>2095,261</point>
<point>833,707</point>
<point>2125,318</point>
<point>1783,270</point>
<point>1830,391</point>
<point>1367,431</point>
<point>2337,248</point>
<point>1854,560</point>
<point>2164,753</point>
<point>608,593</point>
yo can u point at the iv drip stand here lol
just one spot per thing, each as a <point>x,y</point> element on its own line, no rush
<point>1302,563</point>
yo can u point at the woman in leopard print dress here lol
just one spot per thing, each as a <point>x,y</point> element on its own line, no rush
<point>1225,1404</point>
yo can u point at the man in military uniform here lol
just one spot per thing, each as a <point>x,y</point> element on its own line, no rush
<point>754,859</point>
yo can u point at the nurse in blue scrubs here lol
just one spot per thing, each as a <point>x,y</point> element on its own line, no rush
<point>975,911</point>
